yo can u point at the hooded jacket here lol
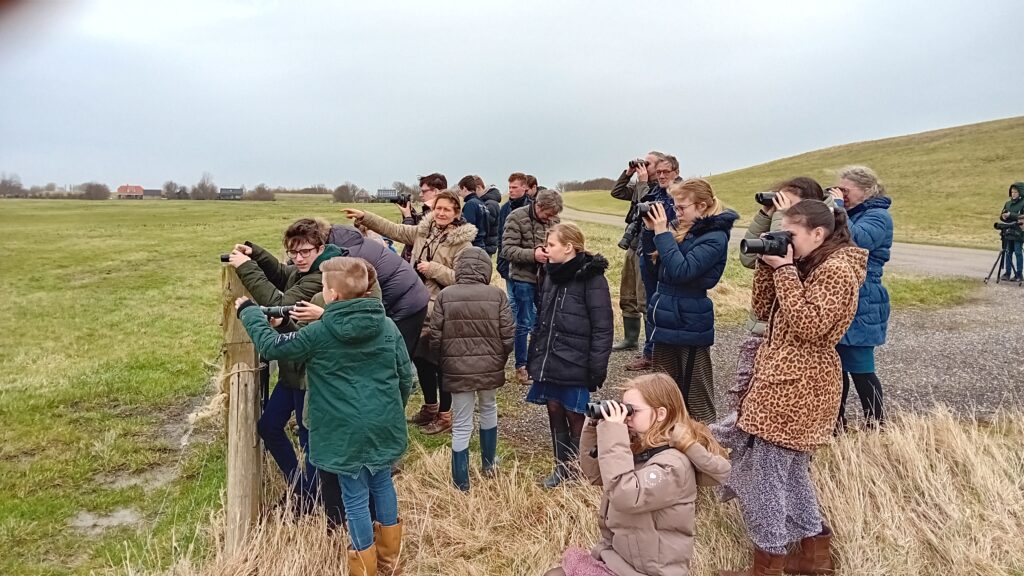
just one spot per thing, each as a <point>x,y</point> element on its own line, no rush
<point>681,312</point>
<point>272,283</point>
<point>472,328</point>
<point>360,379</point>
<point>401,290</point>
<point>1015,208</point>
<point>492,202</point>
<point>475,213</point>
<point>871,228</point>
<point>572,339</point>
<point>648,506</point>
<point>523,233</point>
<point>793,399</point>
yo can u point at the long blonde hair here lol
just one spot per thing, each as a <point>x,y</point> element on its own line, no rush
<point>660,391</point>
<point>699,191</point>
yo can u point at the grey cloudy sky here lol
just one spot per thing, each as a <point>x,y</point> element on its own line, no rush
<point>298,93</point>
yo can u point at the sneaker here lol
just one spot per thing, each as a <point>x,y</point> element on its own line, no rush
<point>640,364</point>
<point>523,377</point>
<point>1005,277</point>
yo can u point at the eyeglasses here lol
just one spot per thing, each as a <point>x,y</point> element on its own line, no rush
<point>304,252</point>
<point>681,207</point>
<point>664,172</point>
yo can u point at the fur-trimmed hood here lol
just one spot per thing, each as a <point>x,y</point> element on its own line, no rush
<point>722,221</point>
<point>583,267</point>
<point>458,231</point>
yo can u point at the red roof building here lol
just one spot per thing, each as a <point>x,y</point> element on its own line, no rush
<point>127,192</point>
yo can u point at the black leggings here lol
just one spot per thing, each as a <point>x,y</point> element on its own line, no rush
<point>430,383</point>
<point>869,388</point>
<point>410,329</point>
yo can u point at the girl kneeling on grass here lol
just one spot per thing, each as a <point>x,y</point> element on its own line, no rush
<point>571,342</point>
<point>649,463</point>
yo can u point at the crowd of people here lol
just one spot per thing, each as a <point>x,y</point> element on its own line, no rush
<point>367,318</point>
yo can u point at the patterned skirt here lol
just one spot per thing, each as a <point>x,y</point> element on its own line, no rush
<point>691,368</point>
<point>774,488</point>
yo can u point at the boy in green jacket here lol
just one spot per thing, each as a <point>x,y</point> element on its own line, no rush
<point>360,378</point>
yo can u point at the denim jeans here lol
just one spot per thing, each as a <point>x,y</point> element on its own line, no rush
<point>521,294</point>
<point>271,426</point>
<point>356,492</point>
<point>1014,251</point>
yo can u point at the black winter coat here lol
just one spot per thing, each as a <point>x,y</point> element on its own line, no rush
<point>402,292</point>
<point>492,201</point>
<point>572,340</point>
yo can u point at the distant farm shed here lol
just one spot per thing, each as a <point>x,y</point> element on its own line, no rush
<point>230,193</point>
<point>152,193</point>
<point>129,192</point>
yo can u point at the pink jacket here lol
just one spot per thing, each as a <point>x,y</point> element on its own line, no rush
<point>647,515</point>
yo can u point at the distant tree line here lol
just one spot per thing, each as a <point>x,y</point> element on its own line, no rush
<point>592,184</point>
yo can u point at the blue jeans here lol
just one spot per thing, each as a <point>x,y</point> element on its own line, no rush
<point>276,413</point>
<point>356,492</point>
<point>524,307</point>
<point>1014,250</point>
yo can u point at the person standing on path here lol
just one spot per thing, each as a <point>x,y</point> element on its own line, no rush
<point>1013,238</point>
<point>871,227</point>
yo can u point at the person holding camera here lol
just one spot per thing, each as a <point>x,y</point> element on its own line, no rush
<point>435,241</point>
<point>360,381</point>
<point>632,297</point>
<point>1013,238</point>
<point>491,197</point>
<point>872,229</point>
<point>687,259</point>
<point>517,198</point>
<point>522,245</point>
<point>572,342</point>
<point>649,456</point>
<point>666,172</point>
<point>272,283</point>
<point>473,209</point>
<point>472,330</point>
<point>430,185</point>
<point>768,219</point>
<point>809,296</point>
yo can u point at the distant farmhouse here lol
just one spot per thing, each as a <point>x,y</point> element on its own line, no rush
<point>128,192</point>
<point>230,193</point>
<point>385,194</point>
<point>150,193</point>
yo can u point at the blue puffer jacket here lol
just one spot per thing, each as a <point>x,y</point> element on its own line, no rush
<point>681,312</point>
<point>871,227</point>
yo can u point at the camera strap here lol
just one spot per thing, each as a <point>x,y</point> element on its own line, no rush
<point>646,455</point>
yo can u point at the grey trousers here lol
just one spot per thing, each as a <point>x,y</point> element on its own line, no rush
<point>463,404</point>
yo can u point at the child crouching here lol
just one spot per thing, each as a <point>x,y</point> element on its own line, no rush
<point>649,463</point>
<point>360,378</point>
<point>472,334</point>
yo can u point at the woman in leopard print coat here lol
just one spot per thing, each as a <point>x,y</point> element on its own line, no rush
<point>810,299</point>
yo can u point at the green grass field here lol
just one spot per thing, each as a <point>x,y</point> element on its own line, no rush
<point>110,339</point>
<point>948,186</point>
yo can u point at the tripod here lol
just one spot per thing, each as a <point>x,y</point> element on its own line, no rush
<point>997,267</point>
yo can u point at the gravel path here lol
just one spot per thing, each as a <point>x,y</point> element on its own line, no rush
<point>970,358</point>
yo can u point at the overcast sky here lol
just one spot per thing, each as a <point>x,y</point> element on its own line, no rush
<point>299,93</point>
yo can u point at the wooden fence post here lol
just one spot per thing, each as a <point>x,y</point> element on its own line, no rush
<point>245,456</point>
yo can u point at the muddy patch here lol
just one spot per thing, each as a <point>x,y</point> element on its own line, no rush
<point>94,524</point>
<point>148,480</point>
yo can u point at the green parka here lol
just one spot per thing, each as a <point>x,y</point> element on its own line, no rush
<point>360,378</point>
<point>1015,208</point>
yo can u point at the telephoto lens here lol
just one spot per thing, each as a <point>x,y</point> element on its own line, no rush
<point>764,198</point>
<point>276,311</point>
<point>594,409</point>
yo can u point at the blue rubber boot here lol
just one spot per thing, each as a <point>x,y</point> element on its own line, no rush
<point>460,469</point>
<point>489,451</point>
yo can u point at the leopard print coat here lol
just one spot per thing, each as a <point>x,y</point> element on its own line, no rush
<point>793,399</point>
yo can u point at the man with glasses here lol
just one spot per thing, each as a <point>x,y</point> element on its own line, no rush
<point>666,173</point>
<point>430,185</point>
<point>272,283</point>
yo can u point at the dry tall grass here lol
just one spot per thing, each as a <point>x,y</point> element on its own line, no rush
<point>932,494</point>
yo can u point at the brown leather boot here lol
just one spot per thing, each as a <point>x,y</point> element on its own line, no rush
<point>425,416</point>
<point>765,564</point>
<point>363,563</point>
<point>442,423</point>
<point>388,540</point>
<point>812,556</point>
<point>641,363</point>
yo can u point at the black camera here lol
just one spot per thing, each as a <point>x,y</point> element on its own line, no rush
<point>594,409</point>
<point>277,311</point>
<point>771,244</point>
<point>225,257</point>
<point>765,198</point>
<point>402,200</point>
<point>1007,225</point>
<point>636,224</point>
<point>634,164</point>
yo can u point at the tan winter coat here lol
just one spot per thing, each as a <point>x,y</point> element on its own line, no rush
<point>793,399</point>
<point>429,244</point>
<point>647,517</point>
<point>472,328</point>
<point>522,234</point>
